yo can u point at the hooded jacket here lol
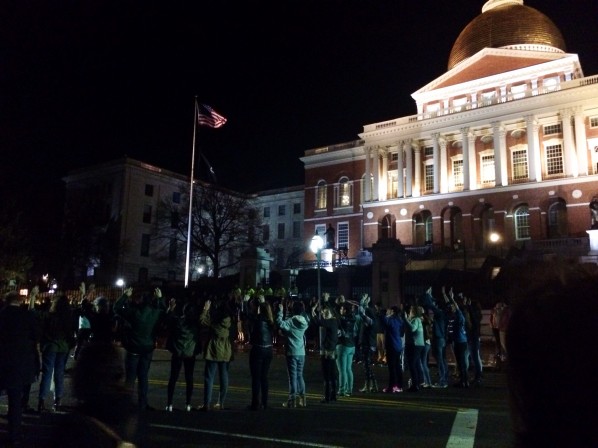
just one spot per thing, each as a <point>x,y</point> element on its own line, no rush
<point>294,329</point>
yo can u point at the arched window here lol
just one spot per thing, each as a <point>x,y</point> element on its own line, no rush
<point>557,220</point>
<point>321,195</point>
<point>344,193</point>
<point>387,227</point>
<point>422,228</point>
<point>521,222</point>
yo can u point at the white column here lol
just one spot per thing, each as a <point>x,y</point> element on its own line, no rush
<point>581,142</point>
<point>503,156</point>
<point>465,149</point>
<point>533,175</point>
<point>384,185</point>
<point>537,156</point>
<point>436,158</point>
<point>400,189</point>
<point>418,170</point>
<point>444,186</point>
<point>366,178</point>
<point>473,162</point>
<point>498,179</point>
<point>376,154</point>
<point>408,169</point>
<point>571,169</point>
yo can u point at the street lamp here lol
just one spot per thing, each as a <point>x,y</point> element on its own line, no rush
<point>316,246</point>
<point>494,238</point>
<point>121,284</point>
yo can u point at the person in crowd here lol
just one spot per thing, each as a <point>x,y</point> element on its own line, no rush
<point>345,350</point>
<point>503,326</point>
<point>19,335</point>
<point>554,320</point>
<point>105,415</point>
<point>329,327</point>
<point>394,327</point>
<point>439,327</point>
<point>294,328</point>
<point>83,325</point>
<point>380,345</point>
<point>495,316</point>
<point>102,321</point>
<point>140,316</point>
<point>57,337</point>
<point>368,332</point>
<point>459,338</point>
<point>218,351</point>
<point>425,354</point>
<point>182,324</point>
<point>473,338</point>
<point>261,354</point>
<point>414,345</point>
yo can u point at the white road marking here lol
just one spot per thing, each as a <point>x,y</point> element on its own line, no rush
<point>464,427</point>
<point>246,436</point>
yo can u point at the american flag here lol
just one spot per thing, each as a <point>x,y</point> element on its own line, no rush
<point>207,116</point>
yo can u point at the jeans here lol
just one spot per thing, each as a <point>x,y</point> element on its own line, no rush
<point>424,361</point>
<point>344,365</point>
<point>176,362</point>
<point>461,358</point>
<point>474,353</point>
<point>52,363</point>
<point>438,349</point>
<point>329,373</point>
<point>368,353</point>
<point>209,375</point>
<point>260,359</point>
<point>137,368</point>
<point>295,365</point>
<point>413,354</point>
<point>394,362</point>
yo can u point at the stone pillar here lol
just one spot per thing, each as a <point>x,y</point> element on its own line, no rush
<point>473,162</point>
<point>418,171</point>
<point>408,169</point>
<point>571,169</point>
<point>400,182</point>
<point>531,150</point>
<point>254,267</point>
<point>367,178</point>
<point>465,149</point>
<point>384,193</point>
<point>444,186</point>
<point>376,195</point>
<point>388,265</point>
<point>498,180</point>
<point>581,142</point>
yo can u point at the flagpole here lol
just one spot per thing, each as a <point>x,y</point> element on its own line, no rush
<point>190,217</point>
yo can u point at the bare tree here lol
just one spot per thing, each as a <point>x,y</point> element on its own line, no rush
<point>224,224</point>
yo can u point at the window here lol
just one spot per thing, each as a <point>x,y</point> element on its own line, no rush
<point>488,173</point>
<point>321,195</point>
<point>554,159</point>
<point>594,122</point>
<point>281,231</point>
<point>145,245</point>
<point>393,184</point>
<point>458,173</point>
<point>297,208</point>
<point>342,235</point>
<point>266,232</point>
<point>429,226</point>
<point>521,221</point>
<point>172,249</point>
<point>282,210</point>
<point>343,197</point>
<point>428,151</point>
<point>147,214</point>
<point>394,157</point>
<point>488,98</point>
<point>429,177</point>
<point>296,229</point>
<point>149,190</point>
<point>176,197</point>
<point>266,212</point>
<point>551,129</point>
<point>520,164</point>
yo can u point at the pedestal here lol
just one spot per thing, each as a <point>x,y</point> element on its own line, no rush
<point>593,241</point>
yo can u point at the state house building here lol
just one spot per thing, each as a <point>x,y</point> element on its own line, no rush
<point>505,142</point>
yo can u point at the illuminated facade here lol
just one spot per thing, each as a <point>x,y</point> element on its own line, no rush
<point>504,142</point>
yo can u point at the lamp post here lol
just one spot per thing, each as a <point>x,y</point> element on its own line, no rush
<point>495,240</point>
<point>316,245</point>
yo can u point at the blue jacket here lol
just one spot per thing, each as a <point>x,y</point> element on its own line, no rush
<point>395,327</point>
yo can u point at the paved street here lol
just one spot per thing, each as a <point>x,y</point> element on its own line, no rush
<point>474,417</point>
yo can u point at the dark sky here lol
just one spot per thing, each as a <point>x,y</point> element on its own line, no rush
<point>84,82</point>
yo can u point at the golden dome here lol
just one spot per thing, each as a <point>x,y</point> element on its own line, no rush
<point>507,24</point>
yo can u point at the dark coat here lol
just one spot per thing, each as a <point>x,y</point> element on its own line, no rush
<point>19,335</point>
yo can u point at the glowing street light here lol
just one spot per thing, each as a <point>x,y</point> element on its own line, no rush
<point>494,237</point>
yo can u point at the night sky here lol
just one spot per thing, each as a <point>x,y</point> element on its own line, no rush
<point>89,81</point>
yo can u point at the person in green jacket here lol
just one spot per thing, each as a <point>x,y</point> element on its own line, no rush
<point>140,315</point>
<point>218,350</point>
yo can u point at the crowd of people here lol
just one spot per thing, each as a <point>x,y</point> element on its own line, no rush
<point>113,345</point>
